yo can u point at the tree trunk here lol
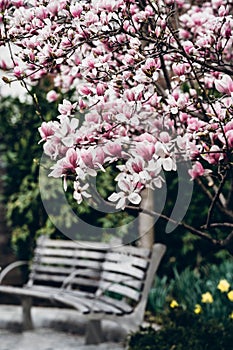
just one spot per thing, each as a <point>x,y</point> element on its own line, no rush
<point>146,222</point>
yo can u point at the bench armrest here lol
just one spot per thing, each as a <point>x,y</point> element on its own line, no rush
<point>69,279</point>
<point>11,267</point>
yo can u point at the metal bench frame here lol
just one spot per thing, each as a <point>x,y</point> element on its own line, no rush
<point>96,279</point>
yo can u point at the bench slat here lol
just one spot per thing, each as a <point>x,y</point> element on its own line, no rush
<point>47,293</point>
<point>69,262</point>
<point>96,246</point>
<point>74,281</point>
<point>95,305</point>
<point>70,253</point>
<point>124,268</point>
<point>54,290</point>
<point>75,278</point>
<point>134,251</point>
<point>57,270</point>
<point>63,298</point>
<point>126,308</point>
<point>128,281</point>
<point>120,289</point>
<point>131,260</point>
<point>50,278</point>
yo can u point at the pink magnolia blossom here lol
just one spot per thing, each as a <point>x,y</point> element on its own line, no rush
<point>76,10</point>
<point>229,136</point>
<point>198,170</point>
<point>66,108</point>
<point>85,90</point>
<point>165,157</point>
<point>224,85</point>
<point>129,193</point>
<point>145,150</point>
<point>18,72</point>
<point>181,68</point>
<point>113,149</point>
<point>52,96</point>
<point>67,130</point>
<point>92,159</point>
<point>47,129</point>
<point>65,166</point>
<point>87,158</point>
<point>100,89</point>
<point>153,96</point>
<point>214,155</point>
<point>80,192</point>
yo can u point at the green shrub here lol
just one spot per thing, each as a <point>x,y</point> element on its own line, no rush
<point>207,293</point>
<point>184,331</point>
<point>158,295</point>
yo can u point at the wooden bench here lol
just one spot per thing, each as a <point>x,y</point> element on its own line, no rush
<point>97,279</point>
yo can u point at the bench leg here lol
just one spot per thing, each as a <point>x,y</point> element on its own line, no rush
<point>27,318</point>
<point>94,334</point>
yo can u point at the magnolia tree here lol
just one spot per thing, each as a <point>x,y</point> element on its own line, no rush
<point>152,88</point>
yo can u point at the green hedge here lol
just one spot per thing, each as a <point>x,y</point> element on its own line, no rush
<point>184,331</point>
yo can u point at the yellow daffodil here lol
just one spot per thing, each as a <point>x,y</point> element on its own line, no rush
<point>230,295</point>
<point>223,286</point>
<point>207,298</point>
<point>197,309</point>
<point>231,315</point>
<point>173,304</point>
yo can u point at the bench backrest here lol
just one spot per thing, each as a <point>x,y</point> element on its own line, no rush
<point>124,271</point>
<point>67,263</point>
<point>96,267</point>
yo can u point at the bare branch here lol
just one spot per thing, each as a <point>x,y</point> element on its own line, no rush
<point>191,229</point>
<point>218,224</point>
<point>165,72</point>
<point>225,211</point>
<point>215,199</point>
<point>226,243</point>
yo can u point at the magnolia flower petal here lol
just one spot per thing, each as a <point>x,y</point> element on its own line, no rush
<point>68,141</point>
<point>121,203</point>
<point>114,197</point>
<point>167,164</point>
<point>134,198</point>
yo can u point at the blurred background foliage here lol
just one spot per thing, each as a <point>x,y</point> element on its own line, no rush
<point>184,249</point>
<point>20,155</point>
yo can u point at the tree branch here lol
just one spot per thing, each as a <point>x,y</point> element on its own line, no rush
<point>165,72</point>
<point>226,243</point>
<point>225,211</point>
<point>218,224</point>
<point>215,199</point>
<point>192,229</point>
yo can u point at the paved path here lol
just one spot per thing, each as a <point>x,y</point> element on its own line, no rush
<point>55,329</point>
<point>47,339</point>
